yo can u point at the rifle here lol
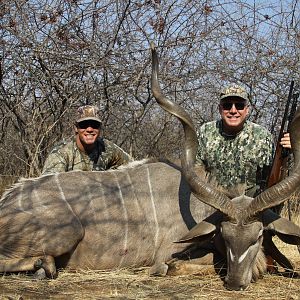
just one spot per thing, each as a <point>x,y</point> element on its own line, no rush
<point>279,169</point>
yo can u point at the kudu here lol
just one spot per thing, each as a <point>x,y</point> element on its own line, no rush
<point>132,216</point>
<point>246,221</point>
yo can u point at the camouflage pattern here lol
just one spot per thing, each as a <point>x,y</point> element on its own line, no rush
<point>67,157</point>
<point>234,91</point>
<point>236,159</point>
<point>88,112</point>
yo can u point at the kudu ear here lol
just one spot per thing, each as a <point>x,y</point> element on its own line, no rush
<point>286,230</point>
<point>204,230</point>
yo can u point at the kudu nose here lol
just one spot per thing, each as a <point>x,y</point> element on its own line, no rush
<point>234,286</point>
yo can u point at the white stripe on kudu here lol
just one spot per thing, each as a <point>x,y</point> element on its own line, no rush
<point>137,209</point>
<point>61,192</point>
<point>125,218</point>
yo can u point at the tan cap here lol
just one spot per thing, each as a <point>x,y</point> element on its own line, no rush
<point>88,112</point>
<point>234,91</point>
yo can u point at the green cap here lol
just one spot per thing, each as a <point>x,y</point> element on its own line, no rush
<point>234,91</point>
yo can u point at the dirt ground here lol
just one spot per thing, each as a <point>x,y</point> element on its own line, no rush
<point>136,284</point>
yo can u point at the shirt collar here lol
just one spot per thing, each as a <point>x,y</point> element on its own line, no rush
<point>230,136</point>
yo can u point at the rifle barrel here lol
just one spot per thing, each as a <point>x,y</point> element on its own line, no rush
<point>276,171</point>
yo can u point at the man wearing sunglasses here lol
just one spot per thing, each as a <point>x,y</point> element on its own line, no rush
<point>87,151</point>
<point>234,150</point>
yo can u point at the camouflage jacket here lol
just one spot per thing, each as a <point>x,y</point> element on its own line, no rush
<point>235,160</point>
<point>66,157</point>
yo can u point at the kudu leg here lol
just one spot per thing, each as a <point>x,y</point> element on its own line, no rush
<point>281,259</point>
<point>176,267</point>
<point>195,260</point>
<point>30,264</point>
<point>205,265</point>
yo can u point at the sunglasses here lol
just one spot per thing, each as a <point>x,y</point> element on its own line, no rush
<point>88,123</point>
<point>238,105</point>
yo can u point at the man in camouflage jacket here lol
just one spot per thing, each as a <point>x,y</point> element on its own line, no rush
<point>233,149</point>
<point>87,151</point>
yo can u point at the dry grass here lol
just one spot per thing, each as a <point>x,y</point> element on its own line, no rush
<point>136,284</point>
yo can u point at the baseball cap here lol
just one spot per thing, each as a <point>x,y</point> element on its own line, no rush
<point>88,112</point>
<point>234,91</point>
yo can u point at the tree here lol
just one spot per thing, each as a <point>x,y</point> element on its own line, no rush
<point>59,54</point>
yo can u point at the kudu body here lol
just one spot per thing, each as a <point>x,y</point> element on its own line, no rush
<point>131,217</point>
<point>97,220</point>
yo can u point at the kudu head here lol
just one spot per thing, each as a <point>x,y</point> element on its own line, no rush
<point>242,221</point>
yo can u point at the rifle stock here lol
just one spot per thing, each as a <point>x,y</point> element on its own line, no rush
<point>279,167</point>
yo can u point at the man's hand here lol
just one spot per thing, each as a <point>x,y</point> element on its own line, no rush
<point>285,141</point>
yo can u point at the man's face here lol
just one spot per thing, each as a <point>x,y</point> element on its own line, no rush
<point>88,131</point>
<point>233,112</point>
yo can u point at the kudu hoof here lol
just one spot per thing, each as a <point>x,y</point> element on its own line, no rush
<point>40,274</point>
<point>159,270</point>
